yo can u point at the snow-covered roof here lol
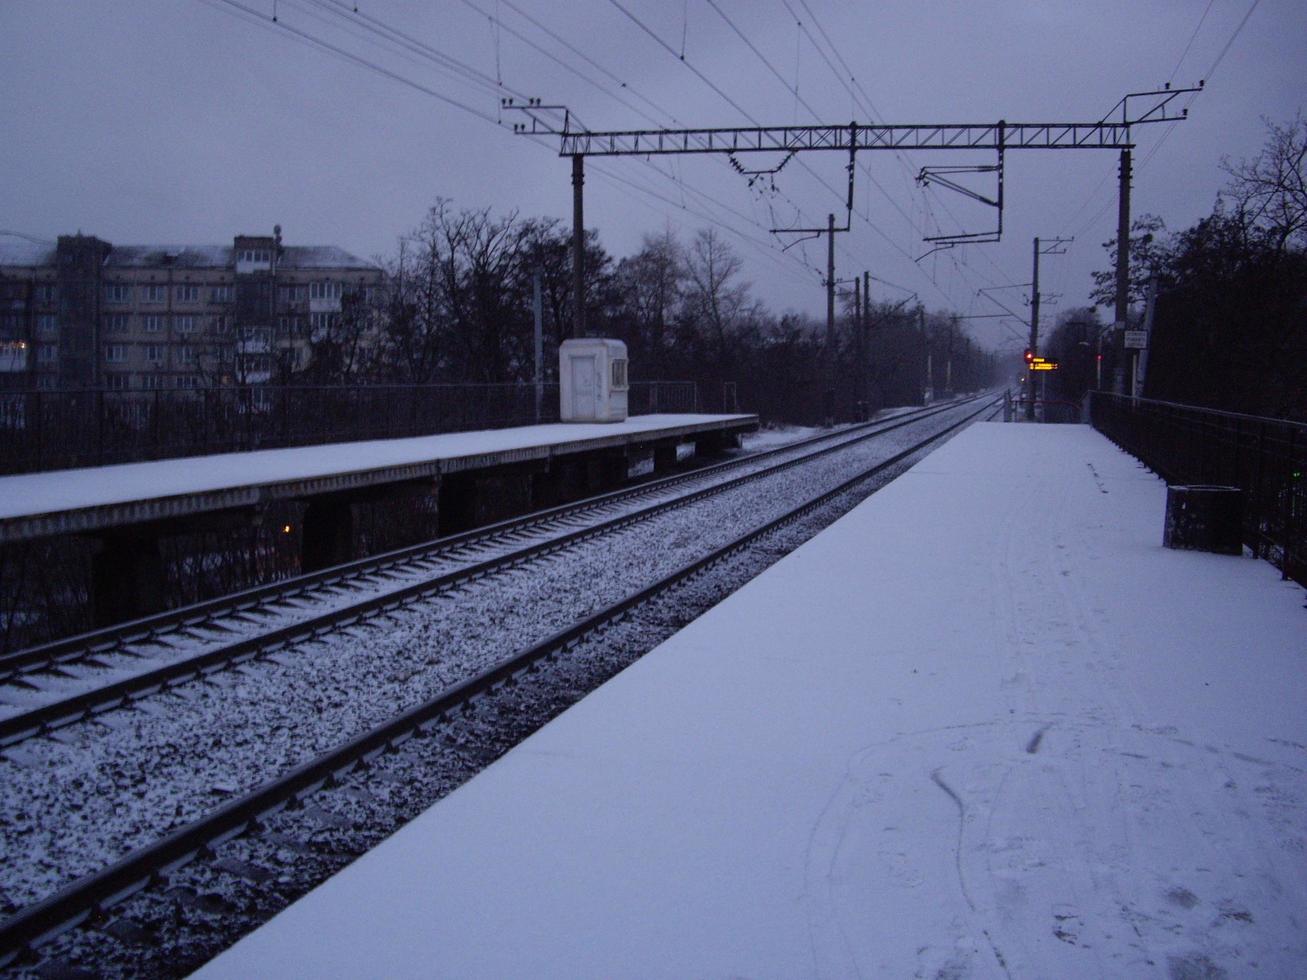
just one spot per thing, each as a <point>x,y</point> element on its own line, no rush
<point>180,256</point>
<point>223,256</point>
<point>321,257</point>
<point>24,254</point>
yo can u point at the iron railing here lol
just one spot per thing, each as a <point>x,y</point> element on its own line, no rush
<point>1266,458</point>
<point>47,430</point>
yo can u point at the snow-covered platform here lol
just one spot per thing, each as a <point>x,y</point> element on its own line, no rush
<point>985,725</point>
<point>67,501</point>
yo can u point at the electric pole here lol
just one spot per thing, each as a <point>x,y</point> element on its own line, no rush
<point>830,279</point>
<point>1123,249</point>
<point>1034,335</point>
<point>864,331</point>
<point>578,246</point>
<point>859,346</point>
<point>1052,248</point>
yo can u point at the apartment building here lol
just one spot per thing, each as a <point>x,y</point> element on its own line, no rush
<point>86,313</point>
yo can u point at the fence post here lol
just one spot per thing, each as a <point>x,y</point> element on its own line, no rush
<point>1290,493</point>
<point>1258,504</point>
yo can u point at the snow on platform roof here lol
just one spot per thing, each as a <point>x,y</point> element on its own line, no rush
<point>984,725</point>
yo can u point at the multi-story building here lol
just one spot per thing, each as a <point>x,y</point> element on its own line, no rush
<point>86,313</point>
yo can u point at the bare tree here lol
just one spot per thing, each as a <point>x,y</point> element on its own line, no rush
<point>651,285</point>
<point>1270,190</point>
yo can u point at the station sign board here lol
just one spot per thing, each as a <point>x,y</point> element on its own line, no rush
<point>1136,339</point>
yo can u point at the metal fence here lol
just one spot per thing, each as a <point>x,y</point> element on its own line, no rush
<point>1265,458</point>
<point>46,430</point>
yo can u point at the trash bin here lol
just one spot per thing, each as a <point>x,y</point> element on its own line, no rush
<point>1204,518</point>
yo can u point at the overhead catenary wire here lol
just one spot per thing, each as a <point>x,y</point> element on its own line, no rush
<point>1157,146</point>
<point>257,18</point>
<point>747,115</point>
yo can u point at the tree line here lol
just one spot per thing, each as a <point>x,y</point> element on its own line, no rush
<point>1230,294</point>
<point>458,307</point>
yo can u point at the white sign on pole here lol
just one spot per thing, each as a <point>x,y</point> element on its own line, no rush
<point>1136,339</point>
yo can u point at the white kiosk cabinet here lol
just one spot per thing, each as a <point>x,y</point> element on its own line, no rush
<point>592,376</point>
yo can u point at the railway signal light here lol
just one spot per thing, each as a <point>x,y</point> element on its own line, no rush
<point>1030,355</point>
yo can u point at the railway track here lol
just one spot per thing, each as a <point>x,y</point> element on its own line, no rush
<point>149,866</point>
<point>71,680</point>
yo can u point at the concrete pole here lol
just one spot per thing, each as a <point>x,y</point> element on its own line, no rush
<point>865,329</point>
<point>948,365</point>
<point>858,346</point>
<point>830,280</point>
<point>1123,250</point>
<point>537,307</point>
<point>578,246</point>
<point>1034,334</point>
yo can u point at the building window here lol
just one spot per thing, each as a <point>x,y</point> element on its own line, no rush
<point>255,255</point>
<point>47,381</point>
<point>47,354</point>
<point>184,324</point>
<point>47,323</point>
<point>156,294</point>
<point>115,353</point>
<point>118,292</point>
<point>116,323</point>
<point>188,294</point>
<point>324,290</point>
<point>219,324</point>
<point>220,294</point>
<point>45,293</point>
<point>117,382</point>
<point>154,353</point>
<point>153,382</point>
<point>153,323</point>
<point>186,353</point>
<point>322,323</point>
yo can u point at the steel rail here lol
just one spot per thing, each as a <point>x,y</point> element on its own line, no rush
<point>112,639</point>
<point>87,704</point>
<point>94,893</point>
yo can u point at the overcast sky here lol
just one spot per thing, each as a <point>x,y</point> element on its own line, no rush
<point>189,121</point>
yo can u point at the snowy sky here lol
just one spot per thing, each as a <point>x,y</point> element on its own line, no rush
<point>188,121</point>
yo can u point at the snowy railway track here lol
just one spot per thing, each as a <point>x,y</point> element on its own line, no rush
<point>147,869</point>
<point>61,683</point>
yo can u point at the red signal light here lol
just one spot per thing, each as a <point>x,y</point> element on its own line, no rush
<point>1030,355</point>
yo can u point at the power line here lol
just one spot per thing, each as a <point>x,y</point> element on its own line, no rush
<point>300,36</point>
<point>585,57</point>
<point>1153,150</point>
<point>1206,10</point>
<point>358,60</point>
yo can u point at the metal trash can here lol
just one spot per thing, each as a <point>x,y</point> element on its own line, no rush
<point>1204,518</point>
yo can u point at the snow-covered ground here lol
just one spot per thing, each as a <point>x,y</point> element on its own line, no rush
<point>771,436</point>
<point>41,493</point>
<point>984,725</point>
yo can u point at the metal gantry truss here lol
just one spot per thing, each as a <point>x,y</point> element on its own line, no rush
<point>1112,132</point>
